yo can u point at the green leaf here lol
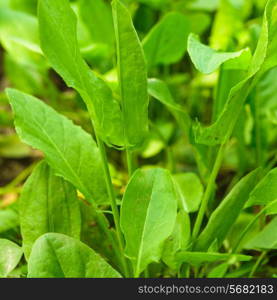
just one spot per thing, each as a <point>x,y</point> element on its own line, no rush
<point>264,58</point>
<point>19,36</point>
<point>97,16</point>
<point>47,204</point>
<point>200,258</point>
<point>205,5</point>
<point>57,25</point>
<point>190,190</point>
<point>265,192</point>
<point>159,90</point>
<point>29,6</point>
<point>55,255</point>
<point>10,255</point>
<point>149,202</point>
<point>228,23</point>
<point>206,59</point>
<point>225,215</point>
<point>219,271</point>
<point>69,150</point>
<point>132,77</point>
<point>179,239</point>
<point>266,239</point>
<point>8,220</point>
<point>166,43</point>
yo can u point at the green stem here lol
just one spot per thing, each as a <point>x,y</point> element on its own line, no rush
<point>258,262</point>
<point>258,147</point>
<point>208,193</point>
<point>130,162</point>
<point>112,198</point>
<point>250,224</point>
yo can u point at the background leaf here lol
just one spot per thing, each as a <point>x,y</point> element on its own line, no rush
<point>8,220</point>
<point>266,239</point>
<point>266,191</point>
<point>200,258</point>
<point>48,204</point>
<point>97,15</point>
<point>166,43</point>
<point>224,216</point>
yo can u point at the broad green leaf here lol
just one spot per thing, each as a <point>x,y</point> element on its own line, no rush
<point>225,215</point>
<point>97,16</point>
<point>199,22</point>
<point>179,239</point>
<point>132,77</point>
<point>266,239</point>
<point>190,190</point>
<point>166,43</point>
<point>8,219</point>
<point>149,203</point>
<point>55,255</point>
<point>200,258</point>
<point>264,58</point>
<point>207,60</point>
<point>10,255</point>
<point>160,91</point>
<point>57,25</point>
<point>47,204</point>
<point>69,150</point>
<point>266,191</point>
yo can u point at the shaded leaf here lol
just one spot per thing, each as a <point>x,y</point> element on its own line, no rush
<point>166,43</point>
<point>97,16</point>
<point>266,191</point>
<point>266,239</point>
<point>48,204</point>
<point>200,258</point>
<point>219,224</point>
<point>159,90</point>
<point>8,220</point>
